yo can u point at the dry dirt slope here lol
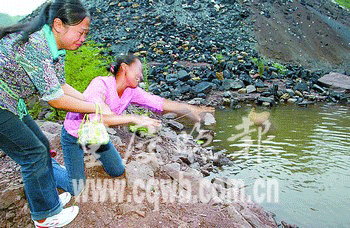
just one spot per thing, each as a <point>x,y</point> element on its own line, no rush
<point>315,34</point>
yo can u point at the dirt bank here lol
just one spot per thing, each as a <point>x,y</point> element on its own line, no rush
<point>313,34</point>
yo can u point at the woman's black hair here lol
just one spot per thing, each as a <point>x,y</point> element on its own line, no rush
<point>71,12</point>
<point>127,59</point>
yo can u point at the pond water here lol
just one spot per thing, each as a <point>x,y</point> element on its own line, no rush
<point>305,150</point>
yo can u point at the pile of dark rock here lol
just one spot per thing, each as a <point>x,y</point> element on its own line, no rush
<point>171,30</point>
<point>239,81</point>
<point>202,49</point>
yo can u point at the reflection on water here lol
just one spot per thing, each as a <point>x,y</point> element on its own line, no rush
<point>306,149</point>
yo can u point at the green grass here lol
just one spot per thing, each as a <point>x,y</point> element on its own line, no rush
<point>345,3</point>
<point>35,110</point>
<point>281,68</point>
<point>145,73</point>
<point>260,63</point>
<point>85,64</point>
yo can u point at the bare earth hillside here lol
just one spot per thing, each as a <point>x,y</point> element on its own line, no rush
<point>315,34</point>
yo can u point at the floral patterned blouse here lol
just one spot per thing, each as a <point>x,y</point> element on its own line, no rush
<point>29,69</point>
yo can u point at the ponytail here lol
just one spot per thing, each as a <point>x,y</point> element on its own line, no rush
<point>29,27</point>
<point>71,12</point>
<point>115,66</point>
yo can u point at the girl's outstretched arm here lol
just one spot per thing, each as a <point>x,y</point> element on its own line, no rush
<point>114,120</point>
<point>195,113</point>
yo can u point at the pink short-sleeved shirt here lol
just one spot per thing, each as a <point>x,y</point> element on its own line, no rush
<point>104,89</point>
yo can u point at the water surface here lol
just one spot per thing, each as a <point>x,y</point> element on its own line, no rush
<point>306,149</point>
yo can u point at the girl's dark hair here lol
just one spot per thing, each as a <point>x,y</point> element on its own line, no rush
<point>115,66</point>
<point>71,12</point>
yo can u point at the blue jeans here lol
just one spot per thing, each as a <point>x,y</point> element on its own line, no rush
<point>74,162</point>
<point>25,143</point>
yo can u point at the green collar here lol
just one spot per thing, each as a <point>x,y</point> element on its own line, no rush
<point>52,43</point>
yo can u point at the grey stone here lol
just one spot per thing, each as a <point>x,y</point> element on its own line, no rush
<point>203,87</point>
<point>171,78</point>
<point>336,80</point>
<point>292,100</point>
<point>49,135</point>
<point>168,133</point>
<point>172,169</point>
<point>266,100</point>
<point>301,86</point>
<point>209,119</point>
<point>136,170</point>
<point>111,131</point>
<point>255,216</point>
<point>250,89</point>
<point>11,196</point>
<point>197,101</point>
<point>150,159</point>
<point>318,88</point>
<point>116,140</point>
<point>51,127</point>
<point>260,84</point>
<point>175,125</point>
<point>227,94</point>
<point>232,84</point>
<point>238,218</point>
<point>170,115</point>
<point>182,90</point>
<point>183,75</point>
<point>290,91</point>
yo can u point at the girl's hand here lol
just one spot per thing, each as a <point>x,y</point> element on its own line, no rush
<point>105,109</point>
<point>199,112</point>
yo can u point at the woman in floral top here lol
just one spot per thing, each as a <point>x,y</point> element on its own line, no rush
<point>32,62</point>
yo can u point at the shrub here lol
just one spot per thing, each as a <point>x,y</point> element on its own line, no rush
<point>345,3</point>
<point>260,64</point>
<point>145,73</point>
<point>281,68</point>
<point>35,110</point>
<point>85,64</point>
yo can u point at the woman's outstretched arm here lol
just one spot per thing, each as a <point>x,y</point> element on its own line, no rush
<point>195,113</point>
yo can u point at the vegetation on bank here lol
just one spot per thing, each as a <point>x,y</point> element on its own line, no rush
<point>85,64</point>
<point>345,3</point>
<point>263,65</point>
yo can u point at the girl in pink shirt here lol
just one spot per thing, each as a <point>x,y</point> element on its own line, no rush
<point>117,92</point>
